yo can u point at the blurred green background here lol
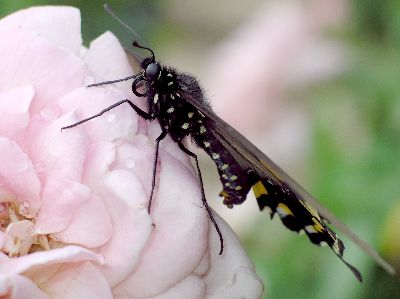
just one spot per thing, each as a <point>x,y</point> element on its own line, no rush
<point>351,162</point>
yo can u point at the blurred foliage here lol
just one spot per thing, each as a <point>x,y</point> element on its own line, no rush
<point>356,144</point>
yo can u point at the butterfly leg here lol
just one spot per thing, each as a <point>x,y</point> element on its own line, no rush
<point>111,82</point>
<point>203,196</point>
<point>153,182</point>
<point>139,111</point>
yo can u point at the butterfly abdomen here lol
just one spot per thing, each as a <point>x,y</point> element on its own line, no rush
<point>234,178</point>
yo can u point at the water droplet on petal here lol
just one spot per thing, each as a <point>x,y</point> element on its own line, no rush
<point>49,114</point>
<point>130,163</point>
<point>110,117</point>
<point>39,167</point>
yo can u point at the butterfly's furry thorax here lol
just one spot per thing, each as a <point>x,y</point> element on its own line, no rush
<point>180,119</point>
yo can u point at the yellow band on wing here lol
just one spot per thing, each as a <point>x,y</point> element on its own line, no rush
<point>259,189</point>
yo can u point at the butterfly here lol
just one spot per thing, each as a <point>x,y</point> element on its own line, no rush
<point>176,101</point>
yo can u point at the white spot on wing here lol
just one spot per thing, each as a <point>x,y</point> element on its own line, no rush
<point>215,156</point>
<point>224,166</point>
<point>155,99</point>
<point>310,229</point>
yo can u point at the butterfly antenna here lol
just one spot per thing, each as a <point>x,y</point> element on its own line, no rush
<point>108,9</point>
<point>137,45</point>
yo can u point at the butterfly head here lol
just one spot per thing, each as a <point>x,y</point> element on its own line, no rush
<point>152,72</point>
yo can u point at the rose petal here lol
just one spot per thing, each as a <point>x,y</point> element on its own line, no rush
<point>231,274</point>
<point>22,288</point>
<point>78,281</point>
<point>65,19</point>
<point>191,287</point>
<point>38,260</point>
<point>18,176</point>
<point>98,60</point>
<point>179,238</point>
<point>90,225</point>
<point>22,60</point>
<point>119,123</point>
<point>60,201</point>
<point>127,205</point>
<point>14,106</point>
<point>22,234</point>
<point>56,153</point>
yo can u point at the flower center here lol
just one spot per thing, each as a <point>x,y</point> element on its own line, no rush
<point>17,236</point>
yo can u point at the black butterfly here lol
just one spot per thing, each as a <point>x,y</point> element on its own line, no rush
<point>176,101</point>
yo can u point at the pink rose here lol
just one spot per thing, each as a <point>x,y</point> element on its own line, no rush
<point>74,203</point>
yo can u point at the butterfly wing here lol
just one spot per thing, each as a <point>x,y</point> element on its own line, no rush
<point>297,200</point>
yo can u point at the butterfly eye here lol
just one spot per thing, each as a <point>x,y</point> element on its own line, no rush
<point>152,71</point>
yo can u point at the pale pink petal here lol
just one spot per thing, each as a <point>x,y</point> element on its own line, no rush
<point>37,261</point>
<point>14,106</point>
<point>23,288</point>
<point>190,287</point>
<point>98,60</point>
<point>22,235</point>
<point>6,242</point>
<point>180,234</point>
<point>78,281</point>
<point>59,153</point>
<point>138,157</point>
<point>90,226</point>
<point>18,176</point>
<point>22,60</point>
<point>127,205</point>
<point>119,123</point>
<point>5,285</point>
<point>100,160</point>
<point>49,21</point>
<point>231,274</point>
<point>60,201</point>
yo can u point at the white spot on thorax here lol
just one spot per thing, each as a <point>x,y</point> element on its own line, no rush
<point>206,144</point>
<point>185,126</point>
<point>170,110</point>
<point>202,130</point>
<point>155,100</point>
<point>190,114</point>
